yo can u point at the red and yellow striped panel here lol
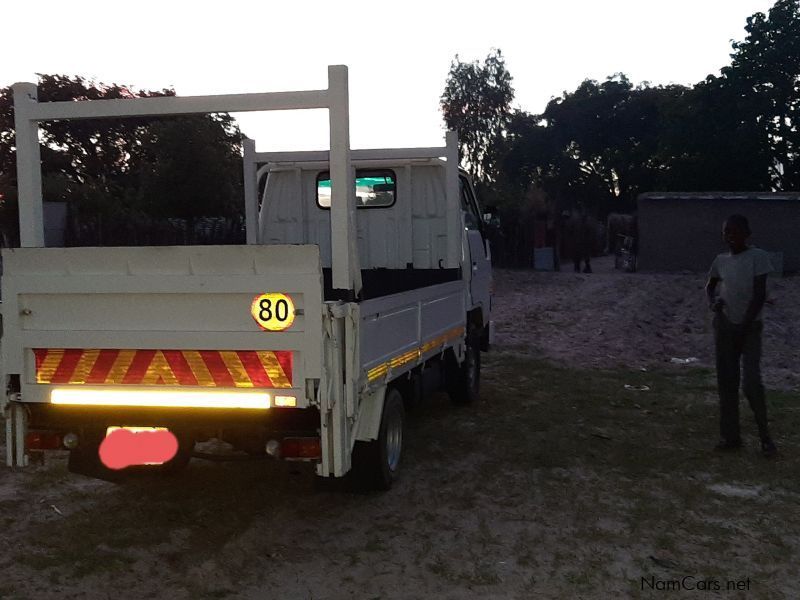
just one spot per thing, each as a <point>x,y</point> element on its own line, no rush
<point>207,368</point>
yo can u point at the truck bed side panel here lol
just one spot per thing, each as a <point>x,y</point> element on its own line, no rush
<point>395,331</point>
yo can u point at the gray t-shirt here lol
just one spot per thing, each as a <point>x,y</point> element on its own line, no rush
<point>736,272</point>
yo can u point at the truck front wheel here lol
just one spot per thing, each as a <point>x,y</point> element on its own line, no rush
<point>376,463</point>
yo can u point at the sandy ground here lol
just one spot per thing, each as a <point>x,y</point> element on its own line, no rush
<point>541,490</point>
<point>615,319</point>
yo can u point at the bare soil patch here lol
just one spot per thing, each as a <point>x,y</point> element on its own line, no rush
<point>613,319</point>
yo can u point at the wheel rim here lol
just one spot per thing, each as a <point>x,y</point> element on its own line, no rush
<point>394,438</point>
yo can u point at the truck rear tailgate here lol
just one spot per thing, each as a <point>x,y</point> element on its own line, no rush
<point>161,317</point>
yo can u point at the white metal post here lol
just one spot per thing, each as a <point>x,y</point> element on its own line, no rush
<point>339,423</point>
<point>29,167</point>
<point>345,267</point>
<point>180,105</point>
<point>454,217</point>
<point>16,432</point>
<point>351,359</point>
<point>335,431</point>
<point>250,191</point>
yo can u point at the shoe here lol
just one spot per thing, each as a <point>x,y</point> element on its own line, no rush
<point>768,448</point>
<point>728,445</point>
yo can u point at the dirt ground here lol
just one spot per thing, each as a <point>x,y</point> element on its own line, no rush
<point>612,319</point>
<point>559,483</point>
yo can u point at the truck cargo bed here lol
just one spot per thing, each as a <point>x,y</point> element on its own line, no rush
<point>385,282</point>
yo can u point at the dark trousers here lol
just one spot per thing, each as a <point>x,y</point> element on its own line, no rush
<point>735,344</point>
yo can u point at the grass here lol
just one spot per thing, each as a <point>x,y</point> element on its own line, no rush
<point>558,481</point>
<point>578,449</point>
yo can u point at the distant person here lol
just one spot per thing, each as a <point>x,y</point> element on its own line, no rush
<point>582,230</point>
<point>742,273</point>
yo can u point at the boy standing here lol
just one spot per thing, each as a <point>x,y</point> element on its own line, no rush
<point>737,331</point>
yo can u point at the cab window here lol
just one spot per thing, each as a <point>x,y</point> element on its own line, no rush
<point>374,189</point>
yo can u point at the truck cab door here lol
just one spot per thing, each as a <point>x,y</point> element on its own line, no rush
<point>480,263</point>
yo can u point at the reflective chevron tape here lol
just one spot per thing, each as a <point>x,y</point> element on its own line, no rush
<point>207,368</point>
<point>413,355</point>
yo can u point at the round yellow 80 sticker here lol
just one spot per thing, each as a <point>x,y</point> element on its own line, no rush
<point>273,312</point>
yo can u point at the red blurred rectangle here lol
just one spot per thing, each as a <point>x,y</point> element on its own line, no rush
<point>126,446</point>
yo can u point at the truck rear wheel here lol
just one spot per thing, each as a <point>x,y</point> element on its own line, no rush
<point>464,380</point>
<point>376,463</point>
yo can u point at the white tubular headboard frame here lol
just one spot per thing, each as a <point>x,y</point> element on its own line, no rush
<point>256,163</point>
<point>29,112</point>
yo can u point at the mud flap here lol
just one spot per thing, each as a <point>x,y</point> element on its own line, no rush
<point>487,337</point>
<point>16,417</point>
<point>85,460</point>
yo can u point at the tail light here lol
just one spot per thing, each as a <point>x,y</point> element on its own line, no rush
<point>43,440</point>
<point>301,448</point>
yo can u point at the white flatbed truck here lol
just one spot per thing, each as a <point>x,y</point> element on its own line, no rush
<point>347,303</point>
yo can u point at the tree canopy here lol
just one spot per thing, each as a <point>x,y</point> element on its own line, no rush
<point>127,171</point>
<point>607,141</point>
<point>477,102</point>
<point>765,76</point>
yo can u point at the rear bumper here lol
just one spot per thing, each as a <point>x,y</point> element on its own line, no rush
<point>51,417</point>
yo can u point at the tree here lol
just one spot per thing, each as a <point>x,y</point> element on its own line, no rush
<point>597,146</point>
<point>605,143</point>
<point>98,149</point>
<point>80,150</point>
<point>126,171</point>
<point>7,154</point>
<point>476,101</point>
<point>84,162</point>
<point>710,141</point>
<point>190,167</point>
<point>765,72</point>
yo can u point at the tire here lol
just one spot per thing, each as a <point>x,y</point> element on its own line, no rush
<point>376,464</point>
<point>464,381</point>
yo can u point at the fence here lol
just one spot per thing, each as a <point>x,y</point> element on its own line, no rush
<point>146,231</point>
